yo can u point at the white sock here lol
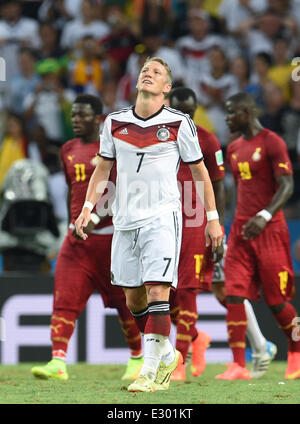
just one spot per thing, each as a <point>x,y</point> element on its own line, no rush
<point>154,346</point>
<point>169,352</point>
<point>256,339</point>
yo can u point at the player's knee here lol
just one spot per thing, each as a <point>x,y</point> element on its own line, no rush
<point>157,293</point>
<point>136,299</point>
<point>276,309</point>
<point>219,292</point>
<point>234,299</point>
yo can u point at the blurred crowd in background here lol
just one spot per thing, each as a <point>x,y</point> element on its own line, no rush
<point>56,49</point>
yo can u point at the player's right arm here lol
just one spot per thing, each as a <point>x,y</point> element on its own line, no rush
<point>99,178</point>
<point>95,190</point>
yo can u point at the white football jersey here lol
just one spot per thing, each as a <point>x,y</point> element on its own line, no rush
<point>148,153</point>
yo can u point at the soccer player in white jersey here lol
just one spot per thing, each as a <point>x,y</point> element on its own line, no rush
<point>148,140</point>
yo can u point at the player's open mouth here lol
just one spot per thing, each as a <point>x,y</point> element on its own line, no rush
<point>146,82</point>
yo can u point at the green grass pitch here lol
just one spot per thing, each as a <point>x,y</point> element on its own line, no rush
<point>101,384</point>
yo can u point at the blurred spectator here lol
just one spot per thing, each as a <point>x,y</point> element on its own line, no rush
<point>261,66</point>
<point>50,105</point>
<point>139,5</point>
<point>292,123</point>
<point>213,88</point>
<point>126,90</point>
<point>120,43</point>
<point>281,117</point>
<point>235,12</point>
<point>153,44</point>
<point>194,47</point>
<point>280,72</point>
<point>76,29</point>
<point>25,83</point>
<point>15,32</point>
<point>154,15</point>
<point>260,32</point>
<point>276,107</point>
<point>87,70</point>
<point>59,11</point>
<point>42,150</point>
<point>14,144</point>
<point>288,9</point>
<point>240,68</point>
<point>49,42</point>
<point>109,97</point>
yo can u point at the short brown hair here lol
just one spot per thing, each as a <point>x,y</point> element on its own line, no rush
<point>163,63</point>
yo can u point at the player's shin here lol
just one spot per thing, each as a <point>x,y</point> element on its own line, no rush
<point>236,321</point>
<point>156,343</point>
<point>287,320</point>
<point>141,318</point>
<point>62,327</point>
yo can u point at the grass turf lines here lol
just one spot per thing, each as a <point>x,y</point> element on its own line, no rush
<point>101,384</point>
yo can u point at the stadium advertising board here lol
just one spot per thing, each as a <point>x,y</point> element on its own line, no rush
<point>26,302</point>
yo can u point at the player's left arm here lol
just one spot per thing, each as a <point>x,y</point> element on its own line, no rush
<point>215,165</point>
<point>213,231</point>
<point>282,170</point>
<point>219,191</point>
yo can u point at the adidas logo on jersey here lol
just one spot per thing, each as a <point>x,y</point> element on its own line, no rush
<point>124,131</point>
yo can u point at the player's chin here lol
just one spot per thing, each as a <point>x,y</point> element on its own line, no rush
<point>78,133</point>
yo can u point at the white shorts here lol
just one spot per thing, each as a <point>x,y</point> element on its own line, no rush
<point>149,254</point>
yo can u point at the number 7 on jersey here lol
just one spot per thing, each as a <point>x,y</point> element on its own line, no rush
<point>141,160</point>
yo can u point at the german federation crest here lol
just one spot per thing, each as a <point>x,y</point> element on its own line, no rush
<point>163,134</point>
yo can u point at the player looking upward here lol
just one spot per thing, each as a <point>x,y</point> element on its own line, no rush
<point>258,253</point>
<point>195,273</point>
<point>82,267</point>
<point>148,140</point>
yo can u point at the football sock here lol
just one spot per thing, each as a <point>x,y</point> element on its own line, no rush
<point>284,320</point>
<point>131,331</point>
<point>157,331</point>
<point>153,348</point>
<point>159,321</point>
<point>174,307</point>
<point>256,339</point>
<point>141,318</point>
<point>59,354</point>
<point>236,321</point>
<point>62,327</point>
<point>186,323</point>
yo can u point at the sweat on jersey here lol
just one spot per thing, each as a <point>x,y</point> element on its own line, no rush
<point>148,153</point>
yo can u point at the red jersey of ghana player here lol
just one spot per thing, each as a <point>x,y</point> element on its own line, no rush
<point>196,265</point>
<point>258,253</point>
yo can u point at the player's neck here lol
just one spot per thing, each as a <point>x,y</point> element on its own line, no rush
<point>147,105</point>
<point>90,138</point>
<point>252,130</point>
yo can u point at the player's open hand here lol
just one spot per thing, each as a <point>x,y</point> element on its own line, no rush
<point>213,234</point>
<point>253,227</point>
<point>82,222</point>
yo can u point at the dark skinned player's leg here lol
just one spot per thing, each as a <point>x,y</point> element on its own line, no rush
<point>72,288</point>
